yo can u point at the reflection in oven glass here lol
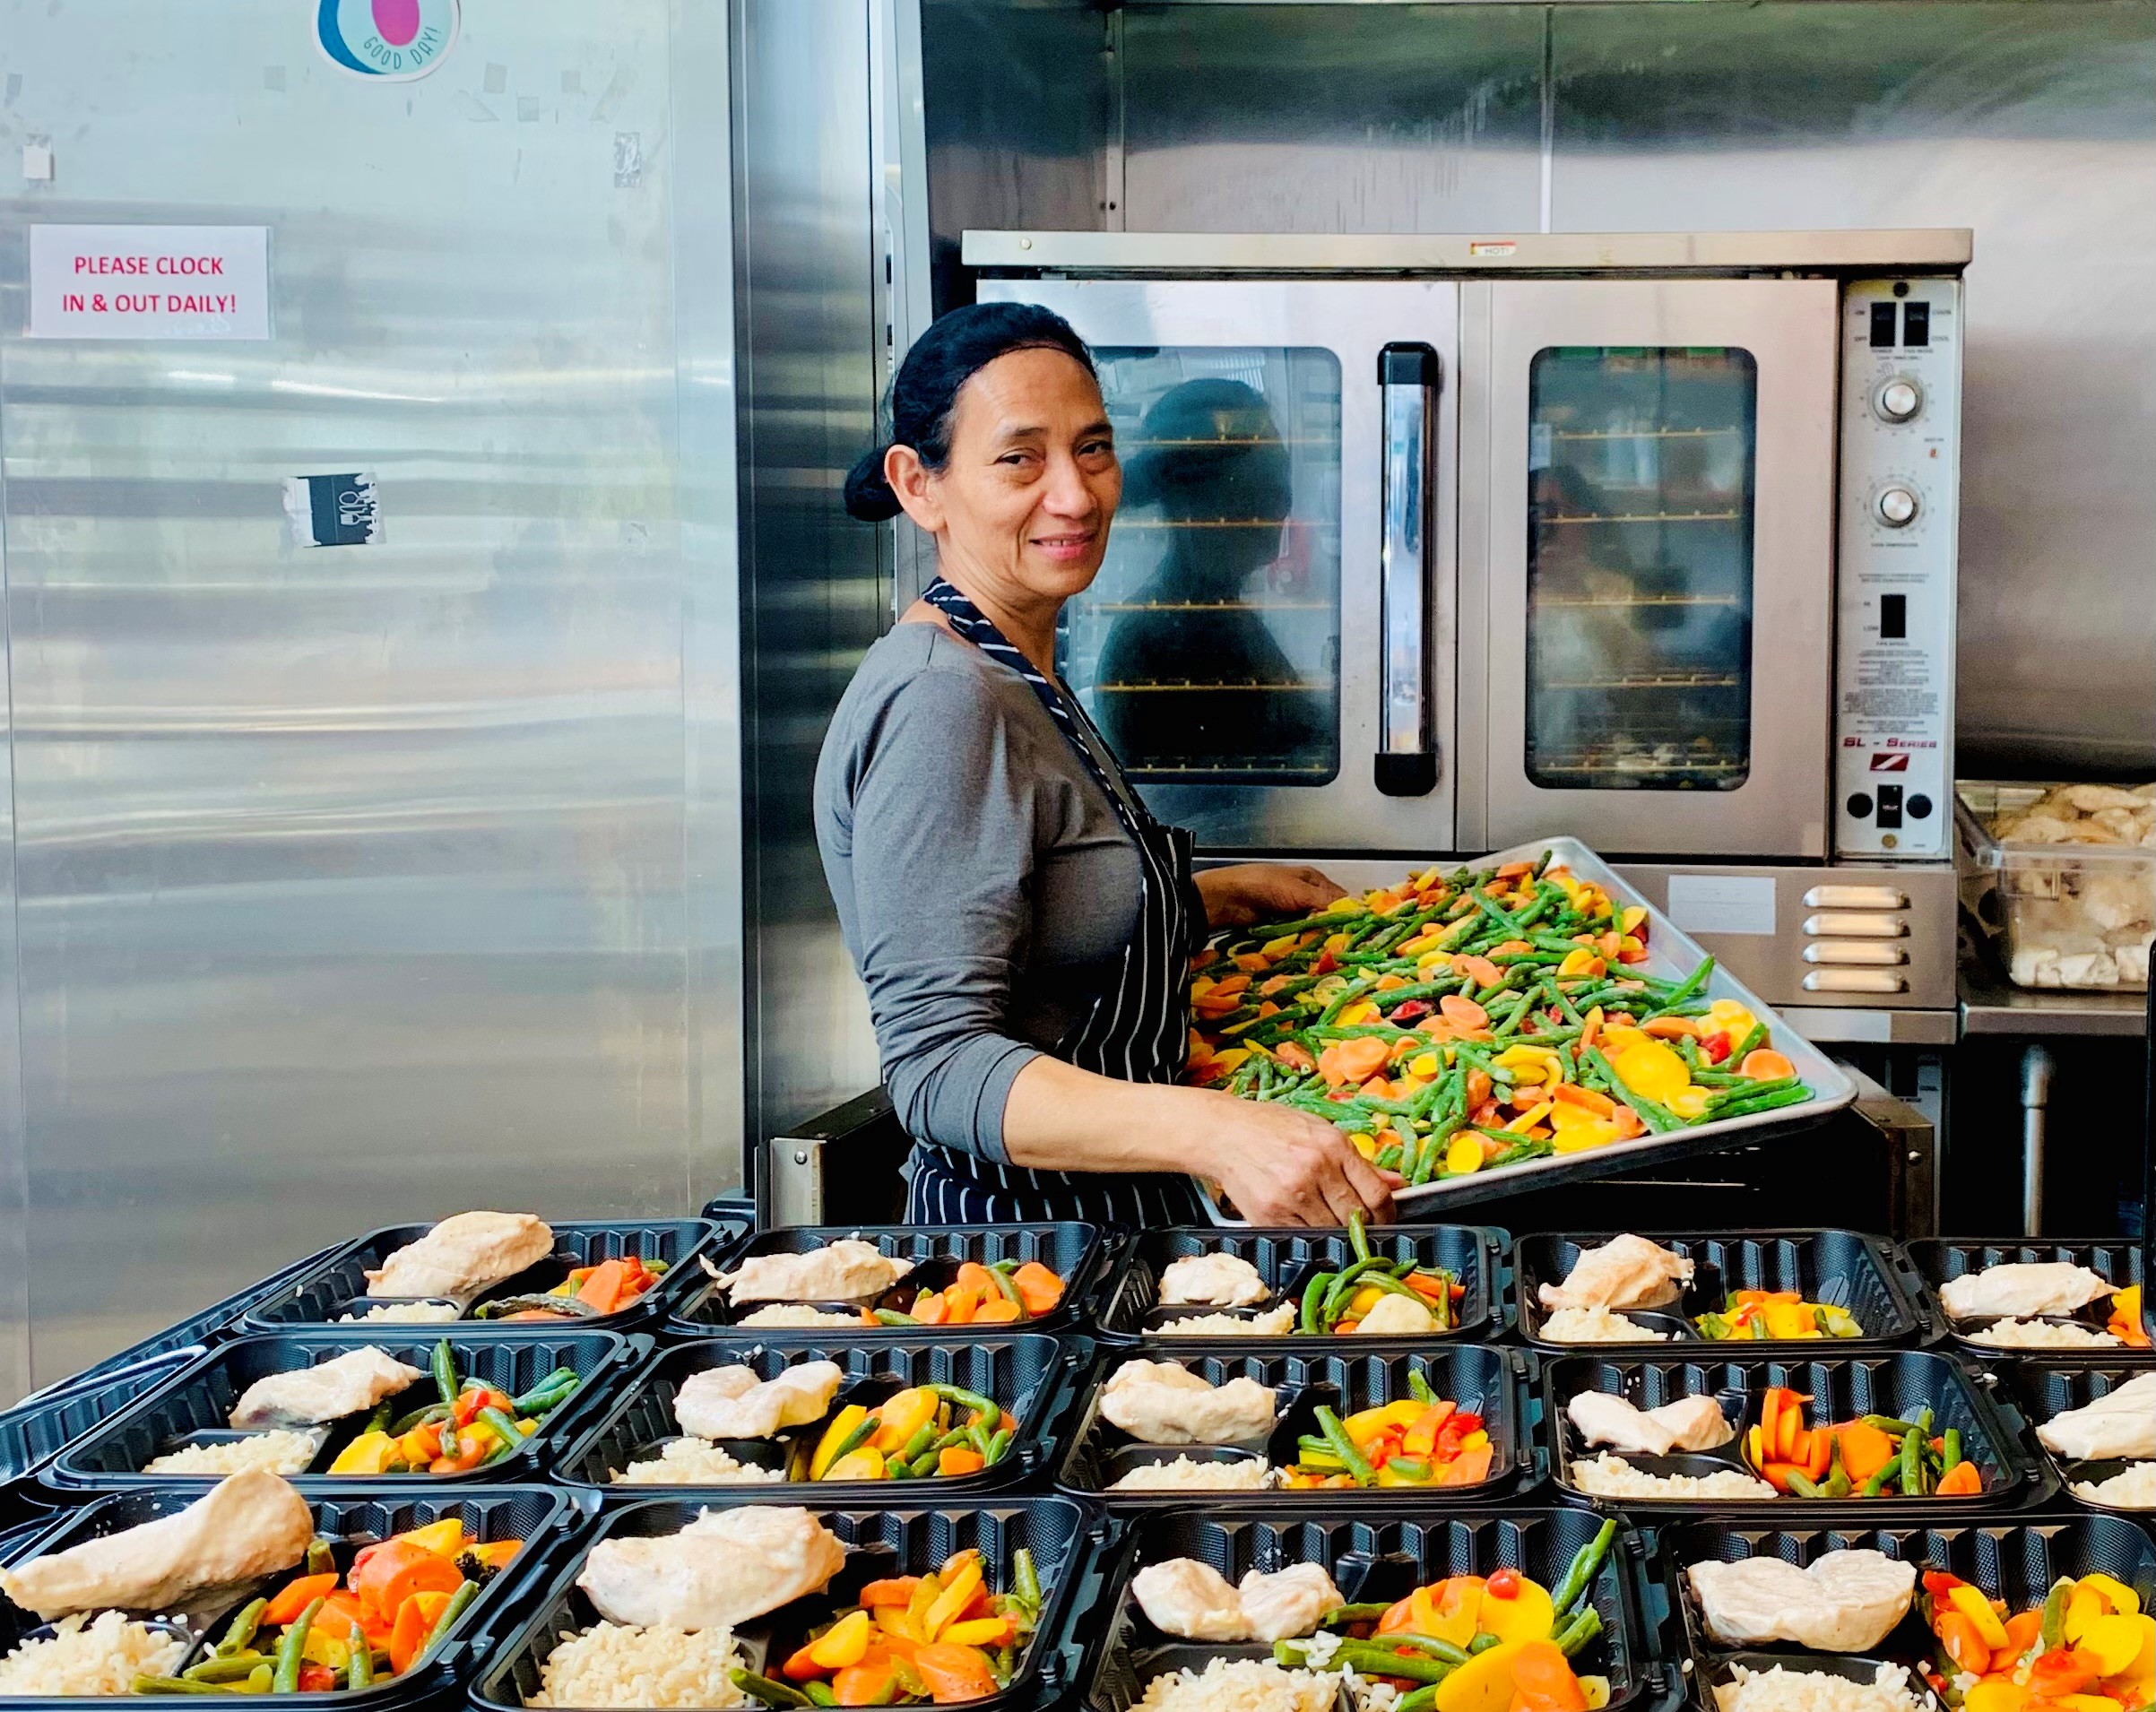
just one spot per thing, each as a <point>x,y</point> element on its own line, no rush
<point>1640,546</point>
<point>1206,650</point>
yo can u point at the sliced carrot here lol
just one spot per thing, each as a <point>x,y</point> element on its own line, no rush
<point>1478,1089</point>
<point>895,1590</point>
<point>1763,1064</point>
<point>868,1683</point>
<point>396,1569</point>
<point>930,1308</point>
<point>1002,1310</point>
<point>1543,1681</point>
<point>1468,1467</point>
<point>407,1635</point>
<point>1671,1028</point>
<point>973,1276</point>
<point>1481,970</point>
<point>1465,1013</point>
<point>296,1595</point>
<point>959,1459</point>
<point>1295,1055</point>
<point>1572,1093</point>
<point>609,1288</point>
<point>1963,1479</point>
<point>1963,1644</point>
<point>959,1305</point>
<point>952,1672</point>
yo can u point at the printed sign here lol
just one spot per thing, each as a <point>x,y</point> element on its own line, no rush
<point>333,511</point>
<point>395,40</point>
<point>1722,902</point>
<point>148,282</point>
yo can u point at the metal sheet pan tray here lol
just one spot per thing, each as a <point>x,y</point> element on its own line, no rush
<point>1034,1377</point>
<point>1474,1376</point>
<point>335,1292</point>
<point>1898,1384</point>
<point>1289,1258</point>
<point>1077,1253</point>
<point>2015,1562</point>
<point>1376,1560</point>
<point>1859,1273</point>
<point>1937,1259</point>
<point>908,1540</point>
<point>1671,956</point>
<point>2045,1390</point>
<point>349,1521</point>
<point>194,1407</point>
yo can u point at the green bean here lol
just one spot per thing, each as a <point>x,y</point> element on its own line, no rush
<point>1010,1293</point>
<point>1024,1579</point>
<point>359,1669</point>
<point>1655,1117</point>
<point>1581,1572</point>
<point>970,1400</point>
<point>1436,1648</point>
<point>1313,1300</point>
<point>2054,1629</point>
<point>892,1317</point>
<point>997,1445</point>
<point>241,1630</point>
<point>1354,991</point>
<point>1891,1425</point>
<point>1340,1616</point>
<point>458,1601</point>
<point>1358,1239</point>
<point>1691,984</point>
<point>1352,1460</point>
<point>1576,1633</point>
<point>174,1685</point>
<point>445,1372</point>
<point>320,1558</point>
<point>285,1678</point>
<point>1754,1038</point>
<point>1912,1464</point>
<point>236,1668</point>
<point>819,1692</point>
<point>1951,1454</point>
<point>541,1397</point>
<point>418,1418</point>
<point>506,1430</point>
<point>770,1693</point>
<point>1482,1643</point>
<point>1421,1699</point>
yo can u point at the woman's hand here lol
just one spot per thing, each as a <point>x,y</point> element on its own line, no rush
<point>1284,1167</point>
<point>1246,892</point>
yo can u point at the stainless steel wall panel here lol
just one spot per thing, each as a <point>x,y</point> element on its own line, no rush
<point>14,1161</point>
<point>2033,123</point>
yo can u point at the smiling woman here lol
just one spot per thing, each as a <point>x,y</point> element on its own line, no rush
<point>1023,925</point>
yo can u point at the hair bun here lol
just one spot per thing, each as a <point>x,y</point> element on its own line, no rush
<point>869,497</point>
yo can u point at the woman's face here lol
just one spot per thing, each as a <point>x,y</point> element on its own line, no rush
<point>1021,510</point>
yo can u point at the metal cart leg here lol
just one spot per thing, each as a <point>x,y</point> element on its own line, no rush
<point>2036,1096</point>
<point>1912,1142</point>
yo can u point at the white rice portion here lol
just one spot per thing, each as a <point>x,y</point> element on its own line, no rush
<point>1611,1476</point>
<point>103,1657</point>
<point>627,1665</point>
<point>693,1462</point>
<point>2042,1333</point>
<point>800,1313</point>
<point>1187,1472</point>
<point>2130,1489</point>
<point>1241,1685</point>
<point>1274,1322</point>
<point>274,1453</point>
<point>1598,1326</point>
<point>1781,1691</point>
<point>415,1313</point>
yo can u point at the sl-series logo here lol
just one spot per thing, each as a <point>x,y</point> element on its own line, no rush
<point>396,40</point>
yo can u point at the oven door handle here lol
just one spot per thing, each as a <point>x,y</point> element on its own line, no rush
<point>1409,377</point>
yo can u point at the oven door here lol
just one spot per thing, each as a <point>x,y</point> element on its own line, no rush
<point>1656,565</point>
<point>1263,645</point>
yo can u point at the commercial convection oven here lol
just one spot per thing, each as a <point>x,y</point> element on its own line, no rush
<point>1446,543</point>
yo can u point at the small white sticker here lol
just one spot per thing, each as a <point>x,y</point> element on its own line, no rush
<point>1722,904</point>
<point>333,510</point>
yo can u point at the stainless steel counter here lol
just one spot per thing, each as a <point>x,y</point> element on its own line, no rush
<point>1989,1006</point>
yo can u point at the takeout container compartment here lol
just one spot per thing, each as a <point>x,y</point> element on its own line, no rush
<point>196,1405</point>
<point>909,1539</point>
<point>1841,1387</point>
<point>34,1433</point>
<point>1077,1253</point>
<point>540,1517</point>
<point>1937,1259</point>
<point>338,1288</point>
<point>1035,1377</point>
<point>2017,1564</point>
<point>2059,915</point>
<point>1369,1561</point>
<point>2047,1389</point>
<point>1288,1258</point>
<point>1850,1270</point>
<point>1473,1376</point>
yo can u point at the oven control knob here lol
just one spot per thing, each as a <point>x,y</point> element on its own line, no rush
<point>1897,400</point>
<point>1897,507</point>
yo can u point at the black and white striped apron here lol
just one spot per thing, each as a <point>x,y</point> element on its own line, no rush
<point>1137,1029</point>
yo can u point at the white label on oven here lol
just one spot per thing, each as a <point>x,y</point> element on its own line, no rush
<point>1538,446</point>
<point>1722,904</point>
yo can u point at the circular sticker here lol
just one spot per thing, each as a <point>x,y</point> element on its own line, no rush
<point>393,40</point>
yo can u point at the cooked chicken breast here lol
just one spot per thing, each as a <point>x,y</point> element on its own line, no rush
<point>308,1396</point>
<point>464,1255</point>
<point>847,1270</point>
<point>2121,1423</point>
<point>1162,1403</point>
<point>1288,1602</point>
<point>732,1402</point>
<point>1689,1423</point>
<point>1182,1596</point>
<point>1212,1280</point>
<point>1845,1602</point>
<point>719,1570</point>
<point>2023,1288</point>
<point>251,1525</point>
<point>1627,1271</point>
<point>1396,1316</point>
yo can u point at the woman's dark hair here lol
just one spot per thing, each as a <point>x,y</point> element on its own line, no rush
<point>925,393</point>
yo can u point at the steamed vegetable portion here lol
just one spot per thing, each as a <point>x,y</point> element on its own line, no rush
<point>1374,1294</point>
<point>1777,1314</point>
<point>2088,1647</point>
<point>1873,1456</point>
<point>1465,1022</point>
<point>1420,1440</point>
<point>588,1293</point>
<point>1004,1293</point>
<point>925,1431</point>
<point>469,1425</point>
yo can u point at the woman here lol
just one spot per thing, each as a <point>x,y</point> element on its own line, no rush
<point>1022,926</point>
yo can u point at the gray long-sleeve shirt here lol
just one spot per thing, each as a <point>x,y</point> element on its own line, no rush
<point>985,887</point>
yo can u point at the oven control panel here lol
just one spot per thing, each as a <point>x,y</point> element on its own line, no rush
<point>1901,419</point>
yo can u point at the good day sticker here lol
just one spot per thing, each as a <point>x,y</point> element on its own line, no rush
<point>396,40</point>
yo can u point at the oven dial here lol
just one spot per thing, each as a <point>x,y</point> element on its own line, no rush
<point>1896,507</point>
<point>1897,400</point>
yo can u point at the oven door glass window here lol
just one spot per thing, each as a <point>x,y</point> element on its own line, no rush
<point>1208,650</point>
<point>1640,538</point>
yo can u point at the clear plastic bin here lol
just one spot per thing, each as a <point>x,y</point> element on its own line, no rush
<point>2077,915</point>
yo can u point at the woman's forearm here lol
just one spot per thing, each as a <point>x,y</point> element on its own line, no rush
<point>1061,1118</point>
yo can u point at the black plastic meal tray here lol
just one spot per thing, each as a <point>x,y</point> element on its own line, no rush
<point>194,1407</point>
<point>1037,1378</point>
<point>1287,1260</point>
<point>1938,1260</point>
<point>2045,1389</point>
<point>34,1433</point>
<point>1475,1376</point>
<point>544,1520</point>
<point>325,1293</point>
<point>879,1543</point>
<point>1378,1558</point>
<point>1078,1254</point>
<point>1840,1386</point>
<point>1851,1271</point>
<point>2017,1564</point>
